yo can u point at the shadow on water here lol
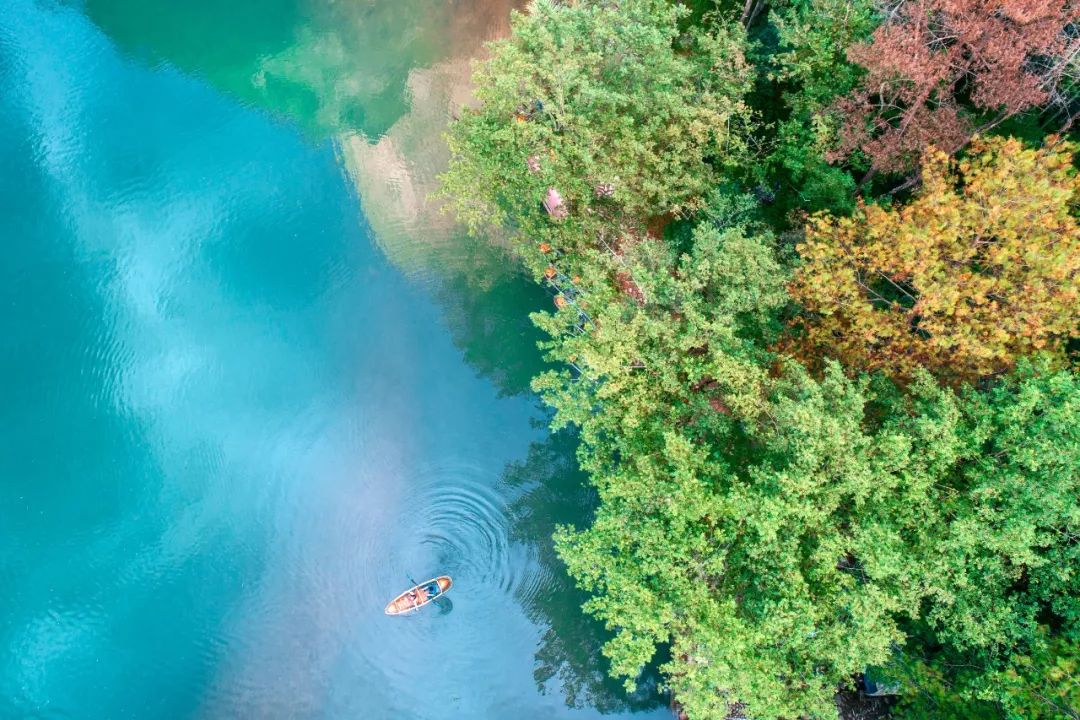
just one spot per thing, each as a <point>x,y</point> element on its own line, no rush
<point>554,492</point>
<point>489,322</point>
<point>444,605</point>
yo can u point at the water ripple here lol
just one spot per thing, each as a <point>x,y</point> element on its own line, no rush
<point>460,526</point>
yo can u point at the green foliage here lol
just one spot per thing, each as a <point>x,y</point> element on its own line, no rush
<point>595,94</point>
<point>706,306</point>
<point>1009,553</point>
<point>776,531</point>
<point>815,36</point>
<point>789,550</point>
<point>1042,683</point>
<point>812,184</point>
<point>1007,562</point>
<point>812,70</point>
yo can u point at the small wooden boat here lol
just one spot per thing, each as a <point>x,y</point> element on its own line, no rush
<point>420,595</point>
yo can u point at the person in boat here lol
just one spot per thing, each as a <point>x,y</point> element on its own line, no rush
<point>422,594</point>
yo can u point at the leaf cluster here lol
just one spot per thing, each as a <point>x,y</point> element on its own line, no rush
<point>609,104</point>
<point>980,268</point>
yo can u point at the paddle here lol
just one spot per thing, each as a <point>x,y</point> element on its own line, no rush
<point>414,584</point>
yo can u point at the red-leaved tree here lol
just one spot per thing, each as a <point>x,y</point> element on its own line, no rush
<point>935,68</point>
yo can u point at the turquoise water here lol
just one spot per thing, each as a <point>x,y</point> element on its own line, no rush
<point>231,425</point>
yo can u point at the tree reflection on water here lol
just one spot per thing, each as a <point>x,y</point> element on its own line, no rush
<point>554,492</point>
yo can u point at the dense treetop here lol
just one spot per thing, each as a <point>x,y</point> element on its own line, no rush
<point>610,105</point>
<point>933,67</point>
<point>981,267</point>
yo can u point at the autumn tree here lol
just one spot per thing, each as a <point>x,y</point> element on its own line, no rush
<point>983,266</point>
<point>938,71</point>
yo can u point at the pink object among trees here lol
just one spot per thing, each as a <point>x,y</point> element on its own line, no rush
<point>554,204</point>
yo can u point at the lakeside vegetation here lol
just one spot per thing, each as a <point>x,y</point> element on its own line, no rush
<point>816,267</point>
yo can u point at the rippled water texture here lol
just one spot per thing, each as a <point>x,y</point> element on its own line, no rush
<point>242,400</point>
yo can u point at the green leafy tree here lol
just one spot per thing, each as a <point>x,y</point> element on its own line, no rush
<point>608,104</point>
<point>812,71</point>
<point>1041,682</point>
<point>999,635</point>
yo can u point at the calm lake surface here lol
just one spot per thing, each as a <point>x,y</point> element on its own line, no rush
<point>251,380</point>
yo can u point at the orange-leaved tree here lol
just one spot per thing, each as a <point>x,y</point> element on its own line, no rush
<point>981,267</point>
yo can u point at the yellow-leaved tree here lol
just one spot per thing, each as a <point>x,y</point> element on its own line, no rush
<point>980,268</point>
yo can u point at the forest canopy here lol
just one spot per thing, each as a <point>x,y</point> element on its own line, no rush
<point>815,268</point>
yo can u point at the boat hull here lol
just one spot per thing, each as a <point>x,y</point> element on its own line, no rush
<point>404,603</point>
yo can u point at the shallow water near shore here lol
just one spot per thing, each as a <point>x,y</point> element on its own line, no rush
<point>250,386</point>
